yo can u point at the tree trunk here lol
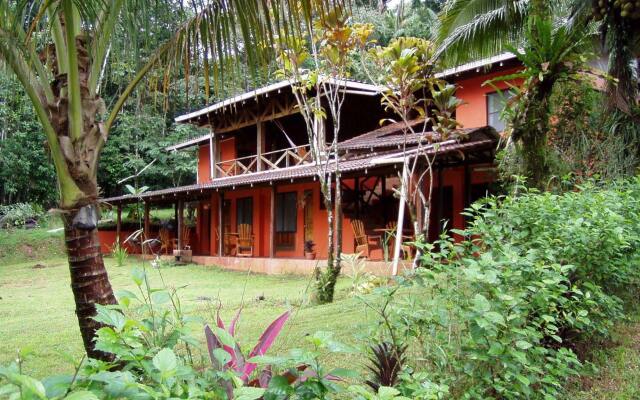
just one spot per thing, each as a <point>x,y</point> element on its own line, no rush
<point>532,129</point>
<point>334,271</point>
<point>89,279</point>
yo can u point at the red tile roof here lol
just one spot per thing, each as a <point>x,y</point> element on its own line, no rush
<point>472,140</point>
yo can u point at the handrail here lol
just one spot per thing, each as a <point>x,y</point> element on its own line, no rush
<point>271,160</point>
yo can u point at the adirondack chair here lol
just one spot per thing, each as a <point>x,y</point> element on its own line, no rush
<point>229,244</point>
<point>364,243</point>
<point>165,241</point>
<point>186,238</point>
<point>406,249</point>
<point>245,241</point>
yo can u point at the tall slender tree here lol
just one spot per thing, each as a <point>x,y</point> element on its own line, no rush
<point>480,28</point>
<point>58,49</point>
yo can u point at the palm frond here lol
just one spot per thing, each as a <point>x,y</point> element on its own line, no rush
<point>472,29</point>
<point>223,35</point>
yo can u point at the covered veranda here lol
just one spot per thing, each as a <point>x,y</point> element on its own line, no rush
<point>283,207</point>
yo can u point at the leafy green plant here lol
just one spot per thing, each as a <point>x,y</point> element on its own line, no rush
<point>225,353</point>
<point>362,281</point>
<point>303,374</point>
<point>502,312</point>
<point>19,214</point>
<point>387,361</point>
<point>119,254</point>
<point>381,393</point>
<point>151,344</point>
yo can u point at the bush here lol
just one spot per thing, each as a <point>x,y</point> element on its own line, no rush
<point>20,214</point>
<point>156,356</point>
<point>503,312</point>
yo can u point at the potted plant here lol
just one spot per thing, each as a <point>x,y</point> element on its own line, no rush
<point>309,253</point>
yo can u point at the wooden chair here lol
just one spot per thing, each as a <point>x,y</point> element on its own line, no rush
<point>245,241</point>
<point>165,241</point>
<point>229,245</point>
<point>406,248</point>
<point>364,243</point>
<point>186,238</point>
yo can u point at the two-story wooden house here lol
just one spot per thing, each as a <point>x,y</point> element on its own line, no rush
<point>257,198</point>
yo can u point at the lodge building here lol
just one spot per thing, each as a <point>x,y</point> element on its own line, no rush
<point>257,198</point>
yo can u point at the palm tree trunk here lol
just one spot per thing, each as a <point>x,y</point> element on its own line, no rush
<point>89,279</point>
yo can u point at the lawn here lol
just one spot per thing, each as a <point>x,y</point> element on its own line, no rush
<point>618,367</point>
<point>37,313</point>
<point>37,310</point>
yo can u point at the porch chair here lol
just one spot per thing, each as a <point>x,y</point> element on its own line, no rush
<point>165,241</point>
<point>364,243</point>
<point>186,239</point>
<point>229,245</point>
<point>245,241</point>
<point>406,248</point>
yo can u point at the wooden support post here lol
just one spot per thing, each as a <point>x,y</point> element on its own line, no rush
<point>357,193</point>
<point>118,224</point>
<point>180,222</point>
<point>272,223</point>
<point>220,225</point>
<point>401,206</point>
<point>259,144</point>
<point>147,222</point>
<point>440,202</point>
<point>212,155</point>
<point>175,215</point>
<point>383,194</point>
<point>147,227</point>
<point>419,206</point>
<point>467,191</point>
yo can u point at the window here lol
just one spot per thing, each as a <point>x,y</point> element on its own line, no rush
<point>244,211</point>
<point>286,212</point>
<point>286,219</point>
<point>495,105</point>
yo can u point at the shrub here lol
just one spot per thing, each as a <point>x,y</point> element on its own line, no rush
<point>120,254</point>
<point>501,313</point>
<point>156,356</point>
<point>19,214</point>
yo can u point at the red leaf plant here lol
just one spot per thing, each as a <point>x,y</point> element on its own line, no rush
<point>237,360</point>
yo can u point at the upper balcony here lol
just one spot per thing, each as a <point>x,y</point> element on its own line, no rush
<point>272,160</point>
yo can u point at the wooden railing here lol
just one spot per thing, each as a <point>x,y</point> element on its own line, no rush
<point>272,160</point>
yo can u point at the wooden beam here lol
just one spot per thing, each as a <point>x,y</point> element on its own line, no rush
<point>212,155</point>
<point>419,205</point>
<point>220,224</point>
<point>440,202</point>
<point>147,225</point>
<point>247,119</point>
<point>259,144</point>
<point>118,224</point>
<point>180,222</point>
<point>272,223</point>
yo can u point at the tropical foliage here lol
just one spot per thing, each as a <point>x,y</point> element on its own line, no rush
<point>58,51</point>
<point>504,312</point>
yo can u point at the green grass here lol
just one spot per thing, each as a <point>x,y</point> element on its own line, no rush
<point>37,310</point>
<point>618,363</point>
<point>37,313</point>
<point>18,245</point>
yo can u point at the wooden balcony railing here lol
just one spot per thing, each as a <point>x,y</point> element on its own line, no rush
<point>272,160</point>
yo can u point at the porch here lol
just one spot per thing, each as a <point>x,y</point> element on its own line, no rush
<point>263,220</point>
<point>283,266</point>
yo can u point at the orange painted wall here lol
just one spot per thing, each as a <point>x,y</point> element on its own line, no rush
<point>227,149</point>
<point>473,113</point>
<point>454,177</point>
<point>261,221</point>
<point>261,211</point>
<point>108,240</point>
<point>204,168</point>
